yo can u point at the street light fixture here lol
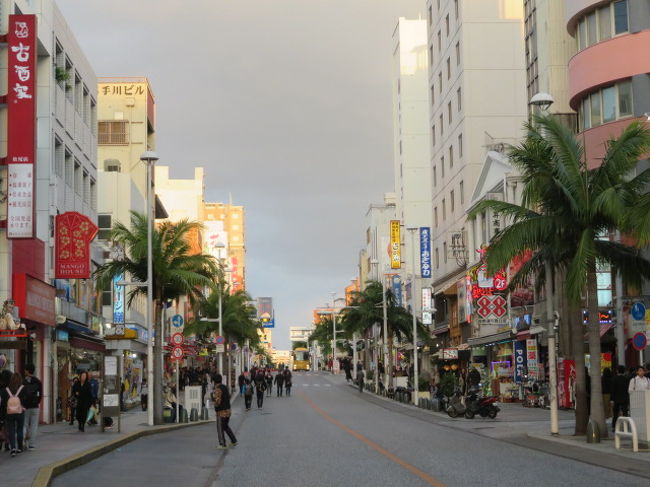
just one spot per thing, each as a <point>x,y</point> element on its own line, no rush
<point>154,381</point>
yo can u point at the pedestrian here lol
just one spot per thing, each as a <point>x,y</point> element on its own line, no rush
<point>144,395</point>
<point>33,395</point>
<point>269,382</point>
<point>248,394</point>
<point>279,382</point>
<point>241,382</point>
<point>221,399</point>
<point>360,377</point>
<point>639,382</point>
<point>260,387</point>
<point>5,377</point>
<point>620,395</point>
<point>606,386</point>
<point>287,381</point>
<point>12,410</point>
<point>72,401</point>
<point>83,394</point>
<point>346,368</point>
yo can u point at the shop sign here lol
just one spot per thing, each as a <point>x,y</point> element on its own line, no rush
<point>74,232</point>
<point>35,299</point>
<point>520,360</point>
<point>425,252</point>
<point>396,285</point>
<point>531,358</point>
<point>395,245</point>
<point>118,300</point>
<point>21,125</point>
<point>427,318</point>
<point>62,336</point>
<point>491,308</point>
<point>450,354</point>
<point>426,299</point>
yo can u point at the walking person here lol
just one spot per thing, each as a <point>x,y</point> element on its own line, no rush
<point>260,387</point>
<point>221,398</point>
<point>12,410</point>
<point>639,382</point>
<point>83,395</point>
<point>241,382</point>
<point>360,377</point>
<point>347,368</point>
<point>72,401</point>
<point>33,394</point>
<point>269,382</point>
<point>287,381</point>
<point>620,396</point>
<point>279,382</point>
<point>144,395</point>
<point>248,394</point>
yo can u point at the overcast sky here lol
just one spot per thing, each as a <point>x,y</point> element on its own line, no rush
<point>287,105</point>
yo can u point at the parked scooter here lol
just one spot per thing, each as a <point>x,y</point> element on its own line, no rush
<point>486,407</point>
<point>455,405</point>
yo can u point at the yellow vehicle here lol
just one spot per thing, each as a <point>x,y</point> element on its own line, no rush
<point>300,359</point>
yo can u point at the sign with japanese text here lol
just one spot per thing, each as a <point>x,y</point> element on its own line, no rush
<point>74,232</point>
<point>395,245</point>
<point>520,360</point>
<point>21,125</point>
<point>396,286</point>
<point>427,304</point>
<point>118,300</point>
<point>531,358</point>
<point>425,252</point>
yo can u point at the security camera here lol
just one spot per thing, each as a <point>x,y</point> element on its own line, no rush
<point>556,315</point>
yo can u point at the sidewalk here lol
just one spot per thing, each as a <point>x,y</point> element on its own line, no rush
<point>56,442</point>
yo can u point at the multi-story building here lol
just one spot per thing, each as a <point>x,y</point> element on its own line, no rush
<point>61,124</point>
<point>411,145</point>
<point>299,333</point>
<point>477,96</point>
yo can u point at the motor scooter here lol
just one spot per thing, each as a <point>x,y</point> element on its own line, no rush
<point>455,405</point>
<point>486,407</point>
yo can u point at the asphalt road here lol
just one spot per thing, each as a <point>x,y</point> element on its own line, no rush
<point>327,434</point>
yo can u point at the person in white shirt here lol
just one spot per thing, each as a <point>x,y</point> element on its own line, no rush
<point>639,382</point>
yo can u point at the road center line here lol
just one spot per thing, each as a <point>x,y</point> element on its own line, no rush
<point>411,468</point>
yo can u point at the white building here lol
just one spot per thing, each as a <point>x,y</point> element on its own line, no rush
<point>477,86</point>
<point>299,333</point>
<point>66,180</point>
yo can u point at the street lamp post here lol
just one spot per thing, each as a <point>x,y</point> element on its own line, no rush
<point>333,332</point>
<point>154,380</point>
<point>416,384</point>
<point>220,246</point>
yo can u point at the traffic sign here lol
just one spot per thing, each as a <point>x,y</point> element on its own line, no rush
<point>177,321</point>
<point>221,348</point>
<point>639,341</point>
<point>638,311</point>
<point>178,339</point>
<point>219,340</point>
<point>177,353</point>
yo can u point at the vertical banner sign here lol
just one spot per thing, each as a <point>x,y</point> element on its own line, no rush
<point>531,358</point>
<point>74,232</point>
<point>21,125</point>
<point>395,245</point>
<point>425,252</point>
<point>396,284</point>
<point>118,300</point>
<point>520,360</point>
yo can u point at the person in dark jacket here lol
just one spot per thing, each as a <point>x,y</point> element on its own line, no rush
<point>14,421</point>
<point>620,396</point>
<point>248,394</point>
<point>241,382</point>
<point>279,382</point>
<point>34,392</point>
<point>606,384</point>
<point>287,381</point>
<point>83,394</point>
<point>260,387</point>
<point>269,382</point>
<point>221,398</point>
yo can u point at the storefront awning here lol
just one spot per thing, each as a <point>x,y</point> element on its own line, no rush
<point>497,337</point>
<point>604,328</point>
<point>77,328</point>
<point>440,331</point>
<point>87,344</point>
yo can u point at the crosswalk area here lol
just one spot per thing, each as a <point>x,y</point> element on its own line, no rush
<point>316,385</point>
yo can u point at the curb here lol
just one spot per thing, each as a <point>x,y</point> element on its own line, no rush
<point>48,472</point>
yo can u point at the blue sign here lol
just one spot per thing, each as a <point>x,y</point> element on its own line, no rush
<point>520,360</point>
<point>396,285</point>
<point>639,341</point>
<point>425,252</point>
<point>177,321</point>
<point>638,311</point>
<point>62,335</point>
<point>269,323</point>
<point>118,300</point>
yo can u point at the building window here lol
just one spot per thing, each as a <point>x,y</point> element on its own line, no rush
<point>444,210</point>
<point>104,222</point>
<point>451,156</point>
<point>456,8</point>
<point>77,178</point>
<point>461,193</point>
<point>602,24</point>
<point>78,94</point>
<point>86,187</point>
<point>458,54</point>
<point>460,145</point>
<point>69,169</point>
<point>114,132</point>
<point>93,194</point>
<point>448,68</point>
<point>435,177</point>
<point>447,25</point>
<point>444,251</point>
<point>112,165</point>
<point>452,203</point>
<point>435,216</point>
<point>93,117</point>
<point>439,41</point>
<point>606,105</point>
<point>442,167</point>
<point>624,98</point>
<point>620,17</point>
<point>433,136</point>
<point>595,109</point>
<point>59,157</point>
<point>450,119</point>
<point>459,97</point>
<point>431,55</point>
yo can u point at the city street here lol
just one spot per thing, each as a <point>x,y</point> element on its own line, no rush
<point>327,434</point>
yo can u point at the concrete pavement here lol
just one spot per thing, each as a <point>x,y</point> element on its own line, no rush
<point>328,434</point>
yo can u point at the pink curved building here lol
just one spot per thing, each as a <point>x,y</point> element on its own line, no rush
<point>609,77</point>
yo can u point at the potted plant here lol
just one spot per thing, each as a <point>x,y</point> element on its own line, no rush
<point>61,75</point>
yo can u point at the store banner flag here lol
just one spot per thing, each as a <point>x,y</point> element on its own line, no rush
<point>21,125</point>
<point>520,360</point>
<point>118,300</point>
<point>425,252</point>
<point>395,245</point>
<point>396,285</point>
<point>74,232</point>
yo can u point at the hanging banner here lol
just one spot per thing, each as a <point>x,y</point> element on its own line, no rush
<point>520,360</point>
<point>531,358</point>
<point>118,300</point>
<point>395,245</point>
<point>21,125</point>
<point>74,232</point>
<point>396,285</point>
<point>425,252</point>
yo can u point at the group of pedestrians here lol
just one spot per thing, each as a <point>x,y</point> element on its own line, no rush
<point>260,381</point>
<point>20,401</point>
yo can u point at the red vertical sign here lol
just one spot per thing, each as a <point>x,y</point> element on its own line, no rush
<point>21,124</point>
<point>74,232</point>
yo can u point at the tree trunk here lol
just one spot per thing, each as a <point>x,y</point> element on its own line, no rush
<point>597,412</point>
<point>157,366</point>
<point>389,369</point>
<point>578,353</point>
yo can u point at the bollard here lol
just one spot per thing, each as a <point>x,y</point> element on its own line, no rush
<point>184,418</point>
<point>593,432</point>
<point>194,415</point>
<point>204,414</point>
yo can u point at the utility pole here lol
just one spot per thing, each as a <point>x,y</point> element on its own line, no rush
<point>551,321</point>
<point>416,384</point>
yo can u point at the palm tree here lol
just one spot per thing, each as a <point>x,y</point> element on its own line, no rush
<point>176,272</point>
<point>567,216</point>
<point>366,309</point>
<point>323,334</point>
